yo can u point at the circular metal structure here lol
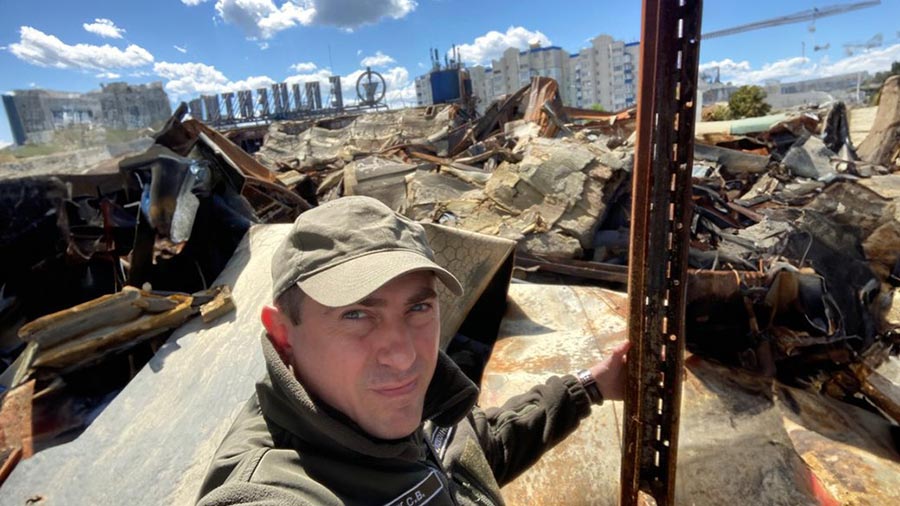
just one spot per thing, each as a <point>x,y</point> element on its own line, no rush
<point>370,87</point>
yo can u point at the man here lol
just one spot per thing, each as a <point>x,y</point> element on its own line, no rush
<point>359,405</point>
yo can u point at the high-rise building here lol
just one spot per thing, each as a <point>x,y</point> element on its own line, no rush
<point>516,68</point>
<point>603,74</point>
<point>482,86</point>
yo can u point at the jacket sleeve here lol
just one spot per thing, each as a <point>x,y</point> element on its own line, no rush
<point>515,435</point>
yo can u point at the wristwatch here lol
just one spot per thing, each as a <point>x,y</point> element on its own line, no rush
<point>590,385</point>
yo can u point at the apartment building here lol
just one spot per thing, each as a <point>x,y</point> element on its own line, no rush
<point>604,73</point>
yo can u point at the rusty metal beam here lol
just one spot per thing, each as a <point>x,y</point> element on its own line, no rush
<point>670,35</point>
<point>596,271</point>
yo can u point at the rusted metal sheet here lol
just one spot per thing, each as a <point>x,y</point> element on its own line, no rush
<point>221,304</point>
<point>659,247</point>
<point>16,421</point>
<point>81,339</point>
<point>107,310</point>
<point>556,330</point>
<point>745,439</point>
<point>545,106</point>
<point>847,449</point>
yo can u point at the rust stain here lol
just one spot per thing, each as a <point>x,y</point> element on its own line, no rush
<point>15,419</point>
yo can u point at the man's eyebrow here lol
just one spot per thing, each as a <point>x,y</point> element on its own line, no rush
<point>426,292</point>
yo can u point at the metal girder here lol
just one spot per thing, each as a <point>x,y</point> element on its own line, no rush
<point>661,214</point>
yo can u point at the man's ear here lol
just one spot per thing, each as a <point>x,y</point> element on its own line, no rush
<point>277,330</point>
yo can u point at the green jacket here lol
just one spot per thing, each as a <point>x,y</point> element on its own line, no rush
<point>286,448</point>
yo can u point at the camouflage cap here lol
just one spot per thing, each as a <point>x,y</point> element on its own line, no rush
<point>342,251</point>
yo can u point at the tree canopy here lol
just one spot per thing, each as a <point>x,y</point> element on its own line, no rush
<point>748,102</point>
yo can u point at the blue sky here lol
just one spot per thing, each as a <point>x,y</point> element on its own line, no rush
<point>203,46</point>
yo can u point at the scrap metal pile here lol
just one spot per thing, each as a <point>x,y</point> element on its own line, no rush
<point>98,268</point>
<point>795,242</point>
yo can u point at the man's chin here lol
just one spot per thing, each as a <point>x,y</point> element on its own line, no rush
<point>395,429</point>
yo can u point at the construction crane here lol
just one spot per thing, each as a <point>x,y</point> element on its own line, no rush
<point>807,15</point>
<point>875,41</point>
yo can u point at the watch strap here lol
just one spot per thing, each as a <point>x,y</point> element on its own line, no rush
<point>590,385</point>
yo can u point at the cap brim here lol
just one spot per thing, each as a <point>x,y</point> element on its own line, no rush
<point>356,279</point>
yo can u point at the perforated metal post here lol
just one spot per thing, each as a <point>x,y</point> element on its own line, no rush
<point>661,214</point>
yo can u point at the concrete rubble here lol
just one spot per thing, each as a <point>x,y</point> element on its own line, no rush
<point>795,257</point>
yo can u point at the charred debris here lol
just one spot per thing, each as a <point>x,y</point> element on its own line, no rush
<point>795,240</point>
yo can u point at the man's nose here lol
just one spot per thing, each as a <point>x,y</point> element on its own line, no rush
<point>396,345</point>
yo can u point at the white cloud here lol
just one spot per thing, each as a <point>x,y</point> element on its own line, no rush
<point>354,13</point>
<point>379,59</point>
<point>262,19</point>
<point>798,68</point>
<point>4,143</point>
<point>872,60</point>
<point>303,67</point>
<point>39,48</point>
<point>109,75</point>
<point>726,66</point>
<point>180,49</point>
<point>104,28</point>
<point>492,44</point>
<point>320,75</point>
<point>193,2</point>
<point>401,91</point>
<point>188,80</point>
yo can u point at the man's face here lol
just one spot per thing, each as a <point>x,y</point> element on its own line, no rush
<point>372,360</point>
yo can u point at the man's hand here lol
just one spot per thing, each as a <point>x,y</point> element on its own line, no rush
<point>611,372</point>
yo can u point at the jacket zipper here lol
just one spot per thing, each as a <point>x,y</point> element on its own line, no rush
<point>442,475</point>
<point>482,496</point>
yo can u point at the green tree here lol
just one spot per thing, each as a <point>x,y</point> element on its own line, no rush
<point>748,102</point>
<point>881,77</point>
<point>597,107</point>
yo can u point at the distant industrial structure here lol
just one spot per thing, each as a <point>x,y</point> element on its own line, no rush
<point>35,114</point>
<point>450,83</point>
<point>286,101</point>
<point>844,87</point>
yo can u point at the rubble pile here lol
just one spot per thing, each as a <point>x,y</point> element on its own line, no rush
<point>100,267</point>
<point>795,241</point>
<point>506,174</point>
<point>795,251</point>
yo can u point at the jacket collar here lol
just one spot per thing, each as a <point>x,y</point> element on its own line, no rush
<point>285,401</point>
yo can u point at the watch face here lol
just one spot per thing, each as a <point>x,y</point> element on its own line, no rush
<point>585,377</point>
